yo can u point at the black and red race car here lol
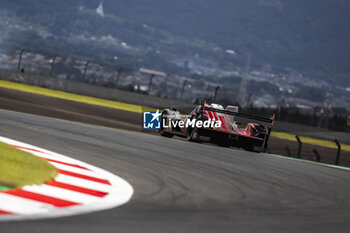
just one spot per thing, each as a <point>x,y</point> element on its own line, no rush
<point>221,128</point>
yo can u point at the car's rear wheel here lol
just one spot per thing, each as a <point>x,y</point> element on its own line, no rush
<point>224,142</point>
<point>251,148</point>
<point>221,140</point>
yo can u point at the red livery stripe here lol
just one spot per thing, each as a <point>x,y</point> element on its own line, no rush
<point>77,188</point>
<point>210,114</point>
<point>223,123</point>
<point>216,116</point>
<point>4,212</point>
<point>103,181</point>
<point>41,198</point>
<point>69,164</point>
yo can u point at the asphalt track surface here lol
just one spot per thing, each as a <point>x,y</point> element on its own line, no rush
<point>187,187</point>
<point>96,115</point>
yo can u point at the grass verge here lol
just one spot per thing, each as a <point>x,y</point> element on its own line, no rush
<point>308,161</point>
<point>308,140</point>
<point>19,168</point>
<point>73,97</point>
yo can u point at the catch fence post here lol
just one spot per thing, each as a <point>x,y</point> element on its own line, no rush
<point>86,65</point>
<point>183,89</point>
<point>118,77</point>
<point>299,146</point>
<point>216,92</point>
<point>338,151</point>
<point>20,60</point>
<point>318,157</point>
<point>52,64</point>
<point>150,83</point>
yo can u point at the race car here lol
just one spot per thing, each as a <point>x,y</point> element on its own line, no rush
<point>212,123</point>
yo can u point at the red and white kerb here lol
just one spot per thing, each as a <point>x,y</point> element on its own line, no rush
<point>78,188</point>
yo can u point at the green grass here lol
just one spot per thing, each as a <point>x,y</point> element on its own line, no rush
<point>4,188</point>
<point>307,161</point>
<point>19,168</point>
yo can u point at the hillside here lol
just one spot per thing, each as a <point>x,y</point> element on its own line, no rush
<point>308,36</point>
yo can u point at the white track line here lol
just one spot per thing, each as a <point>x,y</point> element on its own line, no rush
<point>15,204</point>
<point>83,183</point>
<point>60,193</point>
<point>77,170</point>
<point>47,156</point>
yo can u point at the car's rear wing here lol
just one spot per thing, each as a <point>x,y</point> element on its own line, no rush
<point>270,120</point>
<point>237,114</point>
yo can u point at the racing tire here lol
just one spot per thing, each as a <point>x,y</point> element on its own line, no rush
<point>221,140</point>
<point>251,148</point>
<point>224,142</point>
<point>192,134</point>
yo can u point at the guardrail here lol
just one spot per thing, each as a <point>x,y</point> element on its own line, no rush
<point>90,90</point>
<point>109,81</point>
<point>316,155</point>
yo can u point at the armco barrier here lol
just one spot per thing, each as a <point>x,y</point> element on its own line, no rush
<point>90,90</point>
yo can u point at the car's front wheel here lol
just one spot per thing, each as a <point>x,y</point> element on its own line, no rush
<point>192,134</point>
